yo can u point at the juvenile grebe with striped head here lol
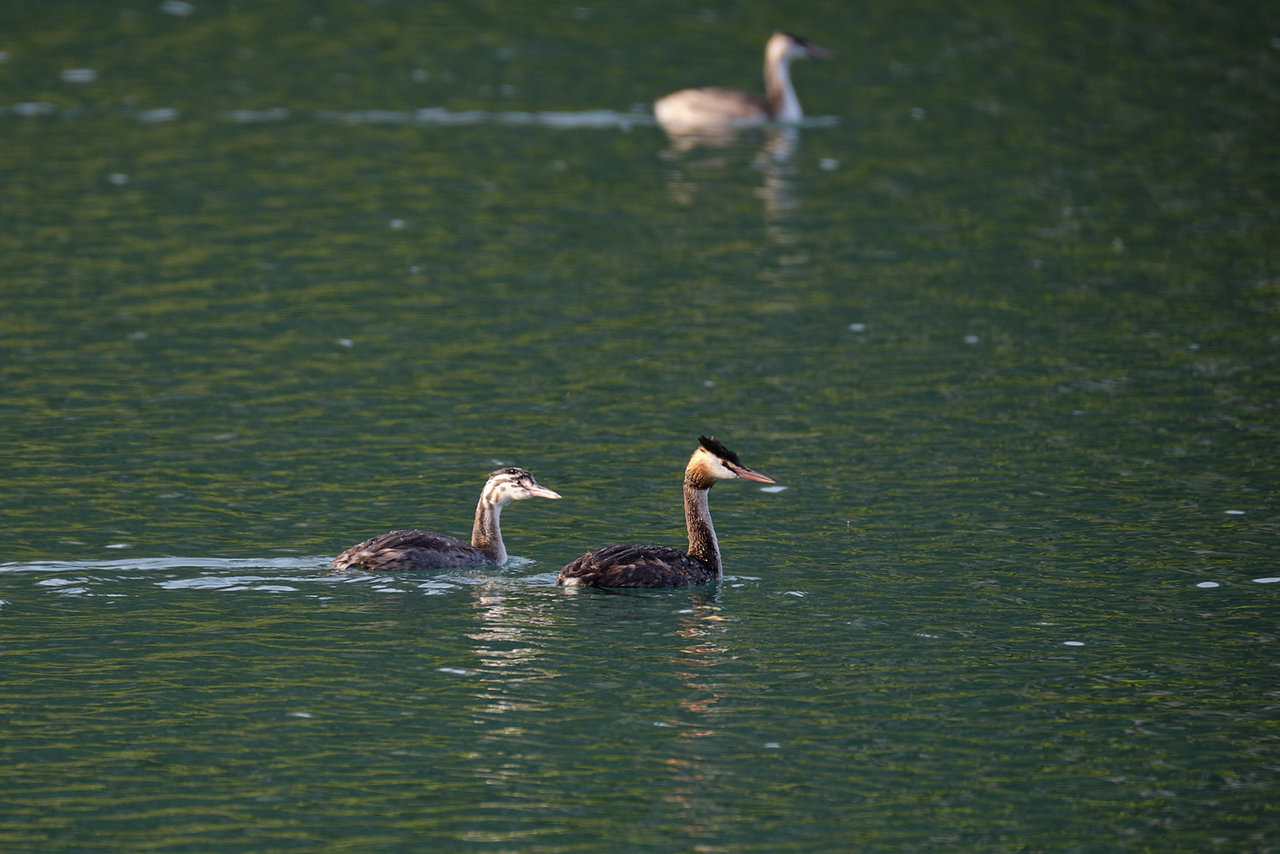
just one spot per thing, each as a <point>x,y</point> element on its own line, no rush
<point>713,106</point>
<point>406,550</point>
<point>661,566</point>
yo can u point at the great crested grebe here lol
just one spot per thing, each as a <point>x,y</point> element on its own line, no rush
<point>404,550</point>
<point>691,108</point>
<point>661,566</point>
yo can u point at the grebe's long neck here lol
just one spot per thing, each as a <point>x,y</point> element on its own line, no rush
<point>486,533</point>
<point>697,518</point>
<point>779,93</point>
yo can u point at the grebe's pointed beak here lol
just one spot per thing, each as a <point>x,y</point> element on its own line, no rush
<point>540,491</point>
<point>751,474</point>
<point>808,48</point>
<point>818,52</point>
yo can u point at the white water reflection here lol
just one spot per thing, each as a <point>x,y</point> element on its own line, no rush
<point>440,116</point>
<point>306,575</point>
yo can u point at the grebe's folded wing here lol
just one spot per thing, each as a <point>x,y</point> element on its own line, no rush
<point>402,550</point>
<point>710,105</point>
<point>636,566</point>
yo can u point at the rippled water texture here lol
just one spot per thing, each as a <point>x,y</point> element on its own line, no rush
<point>1000,318</point>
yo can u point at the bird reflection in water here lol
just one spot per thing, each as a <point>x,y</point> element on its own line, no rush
<point>693,765</point>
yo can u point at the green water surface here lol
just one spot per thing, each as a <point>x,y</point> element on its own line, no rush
<point>1001,317</point>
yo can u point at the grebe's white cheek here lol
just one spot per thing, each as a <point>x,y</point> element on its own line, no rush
<point>722,471</point>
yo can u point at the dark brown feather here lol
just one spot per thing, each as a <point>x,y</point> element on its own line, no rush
<point>637,566</point>
<point>409,550</point>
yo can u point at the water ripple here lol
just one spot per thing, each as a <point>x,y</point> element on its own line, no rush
<point>441,116</point>
<point>306,575</point>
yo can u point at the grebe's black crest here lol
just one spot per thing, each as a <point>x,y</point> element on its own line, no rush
<point>715,446</point>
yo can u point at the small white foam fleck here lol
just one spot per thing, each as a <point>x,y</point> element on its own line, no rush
<point>119,179</point>
<point>300,715</point>
<point>772,745</point>
<point>116,546</point>
<point>1208,584</point>
<point>34,108</point>
<point>1233,512</point>
<point>199,583</point>
<point>797,593</point>
<point>158,115</point>
<point>270,114</point>
<point>828,164</point>
<point>178,8</point>
<point>971,339</point>
<point>346,342</point>
<point>857,327</point>
<point>775,488</point>
<point>78,75</point>
<point>453,671</point>
<point>1270,579</point>
<point>397,224</point>
<point>1073,643</point>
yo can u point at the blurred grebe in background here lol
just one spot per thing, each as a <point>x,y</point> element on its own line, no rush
<point>712,106</point>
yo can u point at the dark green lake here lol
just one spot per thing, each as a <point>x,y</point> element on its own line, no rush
<point>1002,317</point>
